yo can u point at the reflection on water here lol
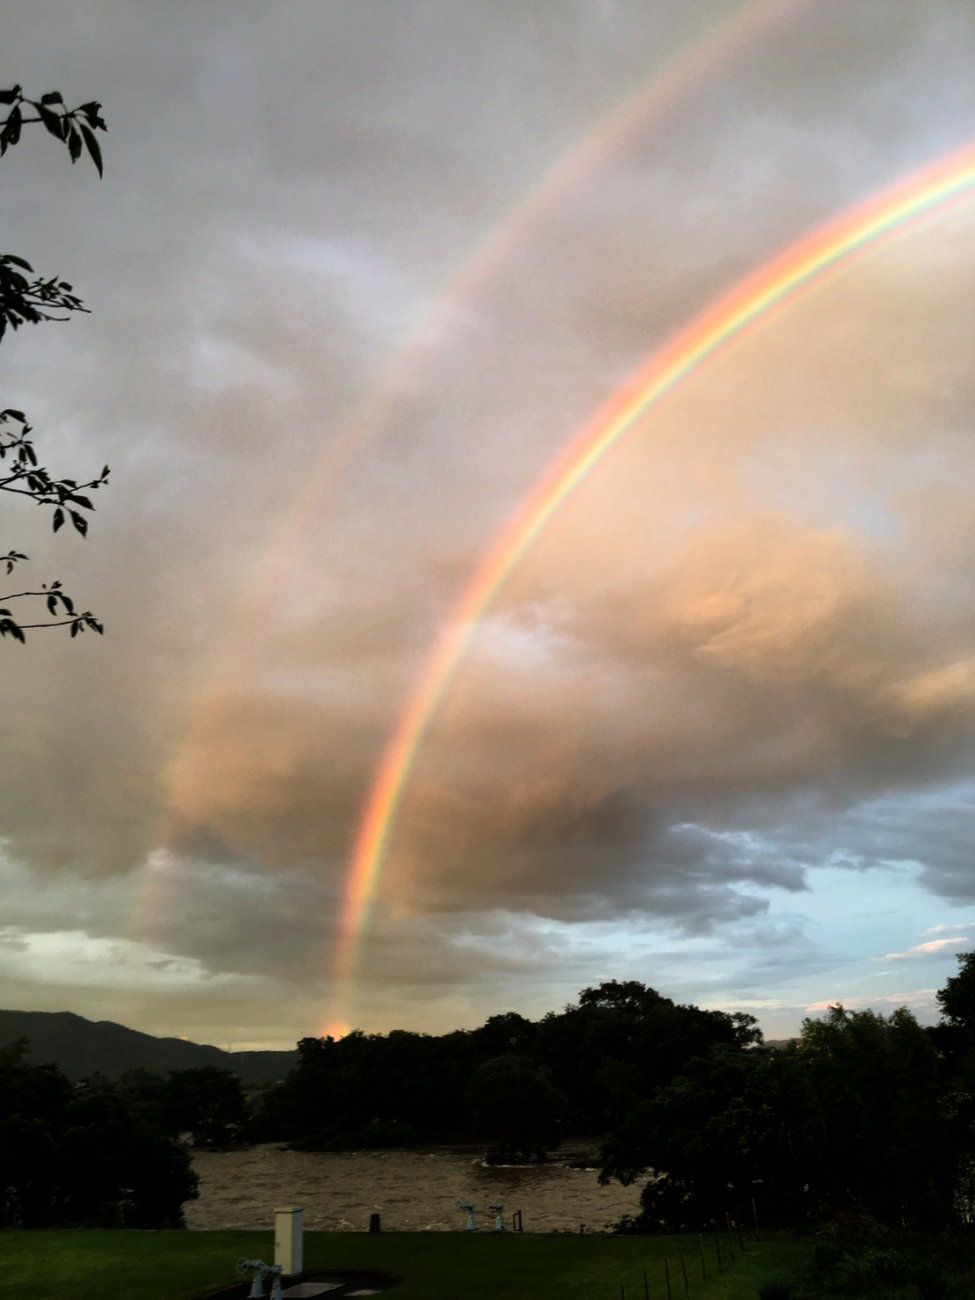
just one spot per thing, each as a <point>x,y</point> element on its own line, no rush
<point>414,1191</point>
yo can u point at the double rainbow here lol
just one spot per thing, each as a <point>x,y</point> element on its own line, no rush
<point>747,304</point>
<point>712,45</point>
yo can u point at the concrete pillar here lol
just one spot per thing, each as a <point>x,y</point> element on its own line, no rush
<point>288,1226</point>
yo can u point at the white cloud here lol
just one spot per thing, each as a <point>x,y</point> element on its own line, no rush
<point>72,958</point>
<point>918,1000</point>
<point>929,949</point>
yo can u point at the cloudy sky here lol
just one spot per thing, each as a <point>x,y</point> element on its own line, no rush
<point>359,272</point>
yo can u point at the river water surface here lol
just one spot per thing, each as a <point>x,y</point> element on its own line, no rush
<point>413,1191</point>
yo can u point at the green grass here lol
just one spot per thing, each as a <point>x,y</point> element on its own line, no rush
<point>129,1265</point>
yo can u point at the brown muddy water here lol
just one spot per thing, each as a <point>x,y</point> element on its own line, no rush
<point>413,1191</point>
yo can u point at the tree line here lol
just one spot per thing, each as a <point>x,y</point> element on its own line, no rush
<point>861,1115</point>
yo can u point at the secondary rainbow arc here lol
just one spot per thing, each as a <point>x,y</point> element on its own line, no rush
<point>749,302</point>
<point>711,45</point>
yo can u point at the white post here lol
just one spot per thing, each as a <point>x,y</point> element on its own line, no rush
<point>288,1225</point>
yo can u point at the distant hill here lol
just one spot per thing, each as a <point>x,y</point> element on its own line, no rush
<point>81,1047</point>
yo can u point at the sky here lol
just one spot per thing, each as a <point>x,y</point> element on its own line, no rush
<point>360,272</point>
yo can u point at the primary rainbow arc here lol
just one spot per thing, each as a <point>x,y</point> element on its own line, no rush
<point>712,44</point>
<point>747,303</point>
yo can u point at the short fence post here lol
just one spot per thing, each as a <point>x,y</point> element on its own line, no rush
<point>288,1228</point>
<point>704,1267</point>
<point>375,1223</point>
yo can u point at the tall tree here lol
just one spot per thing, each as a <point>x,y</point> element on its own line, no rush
<point>515,1106</point>
<point>28,298</point>
<point>851,1117</point>
<point>957,998</point>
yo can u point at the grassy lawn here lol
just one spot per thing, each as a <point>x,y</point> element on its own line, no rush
<point>92,1264</point>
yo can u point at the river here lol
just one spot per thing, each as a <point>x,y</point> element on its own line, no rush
<point>413,1191</point>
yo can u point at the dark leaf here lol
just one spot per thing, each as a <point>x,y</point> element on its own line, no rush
<point>74,145</point>
<point>52,121</point>
<point>52,97</point>
<point>9,96</point>
<point>9,628</point>
<point>75,629</point>
<point>80,522</point>
<point>12,128</point>
<point>17,261</point>
<point>93,149</point>
<point>58,518</point>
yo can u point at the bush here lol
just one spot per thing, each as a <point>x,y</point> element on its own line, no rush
<point>775,1291</point>
<point>871,1267</point>
<point>930,1285</point>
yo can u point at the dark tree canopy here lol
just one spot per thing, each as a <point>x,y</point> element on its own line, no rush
<point>514,1105</point>
<point>575,1072</point>
<point>864,1118</point>
<point>83,1154</point>
<point>957,998</point>
<point>851,1118</point>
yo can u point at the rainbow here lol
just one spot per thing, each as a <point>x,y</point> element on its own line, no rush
<point>710,46</point>
<point>708,335</point>
<point>698,58</point>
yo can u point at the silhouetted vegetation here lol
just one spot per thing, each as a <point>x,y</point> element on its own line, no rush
<point>515,1084</point>
<point>864,1120</point>
<point>203,1103</point>
<point>851,1117</point>
<point>84,1154</point>
<point>30,298</point>
<point>863,1116</point>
